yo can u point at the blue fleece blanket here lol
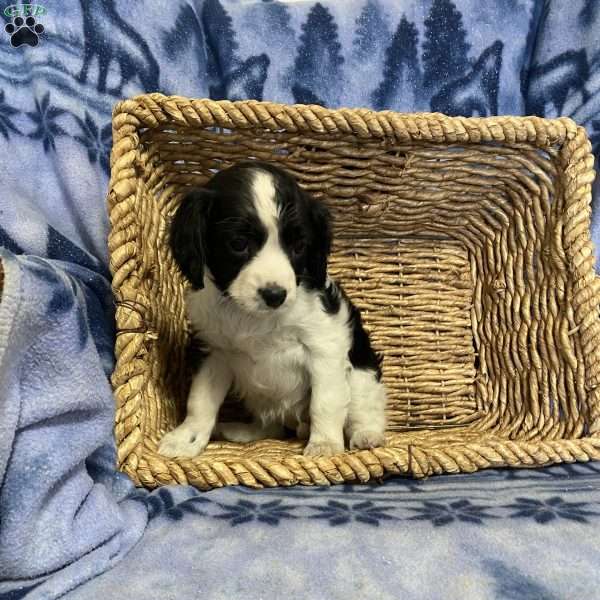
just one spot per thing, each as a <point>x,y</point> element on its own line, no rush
<point>66,516</point>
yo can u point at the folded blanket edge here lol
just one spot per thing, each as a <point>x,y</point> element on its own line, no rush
<point>10,304</point>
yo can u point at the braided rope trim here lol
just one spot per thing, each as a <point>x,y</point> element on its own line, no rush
<point>132,116</point>
<point>153,110</point>
<point>417,461</point>
<point>578,163</point>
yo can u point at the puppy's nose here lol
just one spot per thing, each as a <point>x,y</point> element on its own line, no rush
<point>273,295</point>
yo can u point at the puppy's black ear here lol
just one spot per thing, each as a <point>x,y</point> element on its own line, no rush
<point>188,235</point>
<point>318,251</point>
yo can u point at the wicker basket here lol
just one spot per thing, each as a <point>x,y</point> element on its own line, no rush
<point>464,241</point>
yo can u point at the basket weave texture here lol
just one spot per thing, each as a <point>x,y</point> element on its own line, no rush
<point>465,243</point>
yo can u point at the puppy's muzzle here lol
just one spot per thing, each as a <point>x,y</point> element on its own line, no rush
<point>273,296</point>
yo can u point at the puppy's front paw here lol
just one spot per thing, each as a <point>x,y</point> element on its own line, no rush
<point>187,440</point>
<point>361,440</point>
<point>324,448</point>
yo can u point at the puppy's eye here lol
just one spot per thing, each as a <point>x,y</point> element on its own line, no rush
<point>239,245</point>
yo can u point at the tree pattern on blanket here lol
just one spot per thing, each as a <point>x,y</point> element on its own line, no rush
<point>433,62</point>
<point>319,59</point>
<point>371,28</point>
<point>401,69</point>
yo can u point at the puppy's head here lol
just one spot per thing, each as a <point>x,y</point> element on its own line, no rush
<point>256,234</point>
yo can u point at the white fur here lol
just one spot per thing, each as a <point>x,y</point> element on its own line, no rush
<point>366,417</point>
<point>290,365</point>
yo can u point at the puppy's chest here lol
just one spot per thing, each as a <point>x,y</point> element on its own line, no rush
<point>264,361</point>
<point>269,365</point>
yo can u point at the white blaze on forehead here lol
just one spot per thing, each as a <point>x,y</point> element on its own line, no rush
<point>263,190</point>
<point>270,266</point>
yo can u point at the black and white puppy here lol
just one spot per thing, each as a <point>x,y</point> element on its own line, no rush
<point>279,333</point>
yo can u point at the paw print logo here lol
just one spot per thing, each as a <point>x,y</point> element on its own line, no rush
<point>24,31</point>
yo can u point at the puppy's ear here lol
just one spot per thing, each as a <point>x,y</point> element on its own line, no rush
<point>318,251</point>
<point>188,235</point>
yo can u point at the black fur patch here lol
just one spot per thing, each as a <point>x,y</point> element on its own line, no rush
<point>233,215</point>
<point>188,235</point>
<point>362,355</point>
<point>207,221</point>
<point>331,299</point>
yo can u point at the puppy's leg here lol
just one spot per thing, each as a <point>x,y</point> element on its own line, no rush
<point>330,396</point>
<point>366,415</point>
<point>299,423</point>
<point>247,432</point>
<point>209,387</point>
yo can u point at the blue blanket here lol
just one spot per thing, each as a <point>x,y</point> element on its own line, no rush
<point>66,516</point>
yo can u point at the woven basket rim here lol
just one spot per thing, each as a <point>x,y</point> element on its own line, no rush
<point>155,109</point>
<point>573,153</point>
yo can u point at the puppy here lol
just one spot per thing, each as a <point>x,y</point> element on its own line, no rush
<point>278,332</point>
